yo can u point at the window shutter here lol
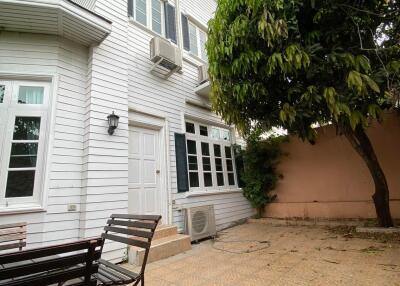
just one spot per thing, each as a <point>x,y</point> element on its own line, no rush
<point>181,163</point>
<point>185,33</point>
<point>170,22</point>
<point>130,8</point>
<point>237,150</point>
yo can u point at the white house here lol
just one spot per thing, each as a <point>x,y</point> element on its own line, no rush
<point>64,67</point>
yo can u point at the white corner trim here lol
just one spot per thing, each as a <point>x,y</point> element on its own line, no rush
<point>212,192</point>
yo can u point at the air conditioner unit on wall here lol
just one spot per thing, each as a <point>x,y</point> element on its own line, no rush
<point>200,222</point>
<point>166,55</point>
<point>203,74</point>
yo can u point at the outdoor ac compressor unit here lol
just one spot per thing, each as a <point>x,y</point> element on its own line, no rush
<point>165,54</point>
<point>200,222</point>
<point>203,74</point>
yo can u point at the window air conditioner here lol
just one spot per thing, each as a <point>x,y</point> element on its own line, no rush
<point>203,74</point>
<point>165,54</point>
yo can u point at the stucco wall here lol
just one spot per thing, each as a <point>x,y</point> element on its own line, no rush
<point>330,180</point>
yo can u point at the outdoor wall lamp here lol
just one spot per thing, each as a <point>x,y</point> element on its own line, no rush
<point>112,123</point>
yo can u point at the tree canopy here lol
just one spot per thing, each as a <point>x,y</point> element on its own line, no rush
<point>298,63</point>
<point>301,64</point>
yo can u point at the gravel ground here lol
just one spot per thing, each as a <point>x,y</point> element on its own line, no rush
<point>260,254</point>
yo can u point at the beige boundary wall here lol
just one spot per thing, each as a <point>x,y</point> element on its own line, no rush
<point>330,180</point>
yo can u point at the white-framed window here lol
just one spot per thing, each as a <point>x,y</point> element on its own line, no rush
<point>197,41</point>
<point>23,121</point>
<point>156,15</point>
<point>149,13</point>
<point>210,157</point>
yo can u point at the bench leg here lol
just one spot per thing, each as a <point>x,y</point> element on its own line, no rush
<point>142,281</point>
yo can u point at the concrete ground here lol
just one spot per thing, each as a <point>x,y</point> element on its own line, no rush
<point>260,254</point>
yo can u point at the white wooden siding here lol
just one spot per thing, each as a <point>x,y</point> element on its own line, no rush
<point>168,97</point>
<point>105,160</point>
<point>88,167</point>
<point>27,54</point>
<point>200,10</point>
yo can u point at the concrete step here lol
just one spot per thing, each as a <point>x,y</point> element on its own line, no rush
<point>165,230</point>
<point>160,248</point>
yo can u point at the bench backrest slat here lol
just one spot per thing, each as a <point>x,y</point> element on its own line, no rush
<point>30,267</point>
<point>12,236</point>
<point>131,229</point>
<point>137,224</point>
<point>125,240</point>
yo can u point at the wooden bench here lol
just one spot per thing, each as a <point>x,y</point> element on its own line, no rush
<point>12,236</point>
<point>135,230</point>
<point>71,264</point>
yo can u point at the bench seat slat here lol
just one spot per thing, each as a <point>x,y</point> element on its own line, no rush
<point>118,268</point>
<point>110,275</point>
<point>53,277</point>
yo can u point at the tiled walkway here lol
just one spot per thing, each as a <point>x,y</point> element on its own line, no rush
<point>259,254</point>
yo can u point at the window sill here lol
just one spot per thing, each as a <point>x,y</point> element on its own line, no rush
<point>21,209</point>
<point>148,30</point>
<point>192,194</point>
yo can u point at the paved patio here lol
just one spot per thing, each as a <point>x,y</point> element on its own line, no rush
<point>259,254</point>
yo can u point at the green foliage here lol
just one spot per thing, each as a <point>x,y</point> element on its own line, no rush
<point>259,174</point>
<point>293,64</point>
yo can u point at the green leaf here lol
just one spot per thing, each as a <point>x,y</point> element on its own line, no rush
<point>363,61</point>
<point>354,80</point>
<point>371,83</point>
<point>355,119</point>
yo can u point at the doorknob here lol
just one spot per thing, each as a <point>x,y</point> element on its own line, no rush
<point>157,171</point>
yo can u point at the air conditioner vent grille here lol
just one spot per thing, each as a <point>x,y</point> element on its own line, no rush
<point>200,222</point>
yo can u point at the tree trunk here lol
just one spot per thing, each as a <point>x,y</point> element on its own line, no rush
<point>361,143</point>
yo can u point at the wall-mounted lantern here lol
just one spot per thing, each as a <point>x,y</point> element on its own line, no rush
<point>112,123</point>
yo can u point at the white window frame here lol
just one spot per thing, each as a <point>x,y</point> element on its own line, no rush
<point>211,141</point>
<point>149,16</point>
<point>10,110</point>
<point>198,41</point>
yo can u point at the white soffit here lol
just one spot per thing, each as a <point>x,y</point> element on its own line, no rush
<point>55,17</point>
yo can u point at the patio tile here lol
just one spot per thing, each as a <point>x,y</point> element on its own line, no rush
<point>295,256</point>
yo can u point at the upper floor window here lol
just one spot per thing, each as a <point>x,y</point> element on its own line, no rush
<point>23,113</point>
<point>157,15</point>
<point>210,158</point>
<point>194,38</point>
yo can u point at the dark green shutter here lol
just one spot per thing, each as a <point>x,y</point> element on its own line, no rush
<point>185,33</point>
<point>237,150</point>
<point>181,163</point>
<point>170,22</point>
<point>130,8</point>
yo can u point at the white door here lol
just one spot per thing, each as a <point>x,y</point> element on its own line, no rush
<point>144,174</point>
